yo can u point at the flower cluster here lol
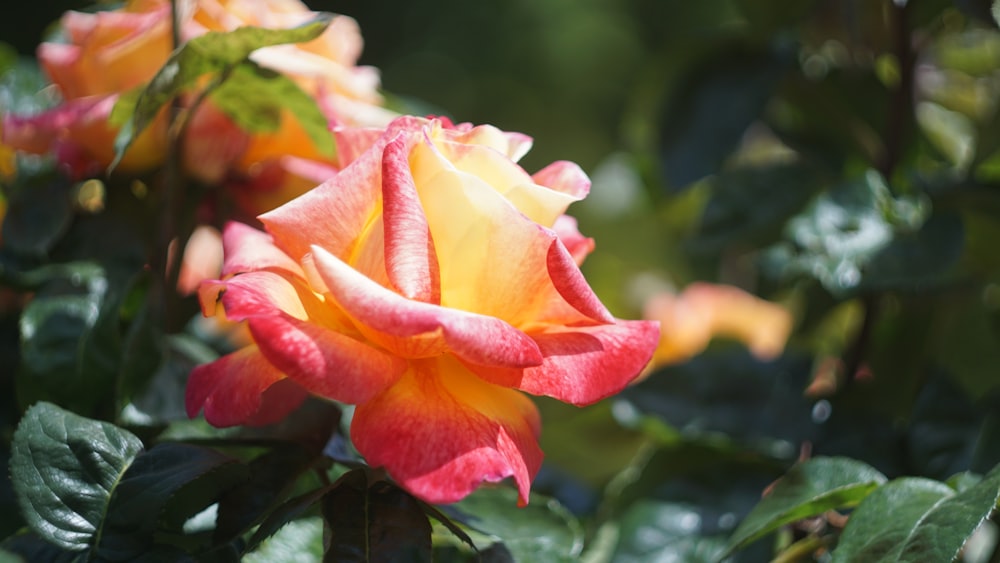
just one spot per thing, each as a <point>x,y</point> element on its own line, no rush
<point>108,54</point>
<point>418,273</point>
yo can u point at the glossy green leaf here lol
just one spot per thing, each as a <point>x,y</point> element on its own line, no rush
<point>659,531</point>
<point>943,430</point>
<point>300,541</point>
<point>543,530</point>
<point>725,393</point>
<point>706,121</point>
<point>942,533</point>
<point>143,344</point>
<point>287,512</point>
<point>65,469</point>
<point>214,52</point>
<point>254,97</point>
<point>749,205</point>
<point>374,521</point>
<point>28,547</point>
<point>63,360</point>
<point>880,527</point>
<point>140,501</point>
<point>22,86</point>
<point>807,489</point>
<point>271,475</point>
<point>38,215</point>
<point>844,230</point>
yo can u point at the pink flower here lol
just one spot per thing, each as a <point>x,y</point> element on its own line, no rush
<point>429,283</point>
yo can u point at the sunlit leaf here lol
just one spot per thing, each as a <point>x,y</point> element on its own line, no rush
<point>543,530</point>
<point>945,529</point>
<point>300,541</point>
<point>661,531</point>
<point>872,535</point>
<point>255,98</point>
<point>65,470</point>
<point>809,488</point>
<point>283,514</point>
<point>844,230</point>
<point>214,52</point>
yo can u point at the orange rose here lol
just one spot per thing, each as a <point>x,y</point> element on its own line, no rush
<point>704,311</point>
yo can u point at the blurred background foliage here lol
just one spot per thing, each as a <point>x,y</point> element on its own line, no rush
<point>841,157</point>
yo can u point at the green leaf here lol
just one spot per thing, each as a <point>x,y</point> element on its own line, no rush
<point>215,52</point>
<point>922,259</point>
<point>659,531</point>
<point>28,547</point>
<point>38,215</point>
<point>883,523</point>
<point>144,346</point>
<point>542,531</point>
<point>300,541</point>
<point>23,86</point>
<point>283,514</point>
<point>60,362</point>
<point>707,120</point>
<point>374,521</point>
<point>725,392</point>
<point>996,10</point>
<point>271,475</point>
<point>809,488</point>
<point>942,533</point>
<point>139,505</point>
<point>943,429</point>
<point>844,230</point>
<point>254,97</point>
<point>65,469</point>
<point>749,205</point>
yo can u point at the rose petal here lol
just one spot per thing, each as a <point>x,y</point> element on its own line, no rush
<point>325,362</point>
<point>336,215</point>
<point>382,315</point>
<point>441,431</point>
<point>578,245</point>
<point>494,260</point>
<point>582,365</point>
<point>231,390</point>
<point>564,177</point>
<point>263,293</point>
<point>411,261</point>
<point>541,204</point>
<point>247,249</point>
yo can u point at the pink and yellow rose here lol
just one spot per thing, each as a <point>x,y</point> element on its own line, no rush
<point>430,283</point>
<point>112,52</point>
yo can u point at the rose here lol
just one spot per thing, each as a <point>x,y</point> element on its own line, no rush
<point>429,283</point>
<point>109,53</point>
<point>704,311</point>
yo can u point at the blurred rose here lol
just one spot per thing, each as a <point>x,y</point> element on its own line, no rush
<point>429,283</point>
<point>109,53</point>
<point>703,311</point>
